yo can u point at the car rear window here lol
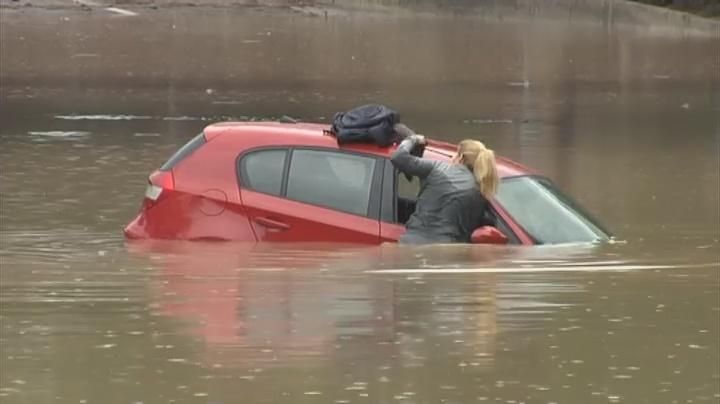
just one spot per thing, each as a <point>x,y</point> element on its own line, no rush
<point>183,152</point>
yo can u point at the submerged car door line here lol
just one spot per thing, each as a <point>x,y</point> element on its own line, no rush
<point>278,216</point>
<point>286,172</point>
<point>376,182</point>
<point>243,181</point>
<point>271,224</point>
<point>387,206</point>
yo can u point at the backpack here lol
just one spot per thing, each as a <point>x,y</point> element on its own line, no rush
<point>371,123</point>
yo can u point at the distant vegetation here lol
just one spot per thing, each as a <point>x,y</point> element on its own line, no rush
<point>708,8</point>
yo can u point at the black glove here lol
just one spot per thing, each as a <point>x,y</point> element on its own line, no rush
<point>402,131</point>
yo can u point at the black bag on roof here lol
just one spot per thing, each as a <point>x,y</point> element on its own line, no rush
<point>371,123</point>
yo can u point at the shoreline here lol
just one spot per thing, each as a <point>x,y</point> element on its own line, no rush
<point>118,45</point>
<point>705,10</point>
<point>610,12</point>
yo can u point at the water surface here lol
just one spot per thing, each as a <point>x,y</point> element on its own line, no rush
<point>625,120</point>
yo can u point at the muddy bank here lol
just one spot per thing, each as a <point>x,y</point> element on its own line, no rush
<point>710,8</point>
<point>608,12</point>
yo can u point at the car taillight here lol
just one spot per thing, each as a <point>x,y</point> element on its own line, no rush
<point>162,179</point>
<point>159,183</point>
<point>153,192</point>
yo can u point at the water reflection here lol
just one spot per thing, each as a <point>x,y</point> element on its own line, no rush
<point>298,323</point>
<point>296,303</point>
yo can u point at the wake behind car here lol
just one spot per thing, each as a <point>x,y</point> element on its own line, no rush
<point>289,182</point>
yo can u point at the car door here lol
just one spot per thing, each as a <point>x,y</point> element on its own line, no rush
<point>312,194</point>
<point>398,196</point>
<point>392,215</point>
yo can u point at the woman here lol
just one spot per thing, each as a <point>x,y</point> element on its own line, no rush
<point>453,196</point>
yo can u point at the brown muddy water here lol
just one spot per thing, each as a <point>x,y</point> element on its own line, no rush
<point>623,118</point>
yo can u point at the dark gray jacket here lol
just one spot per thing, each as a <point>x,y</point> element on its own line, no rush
<point>449,204</point>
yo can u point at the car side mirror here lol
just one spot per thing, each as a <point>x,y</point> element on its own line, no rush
<point>488,235</point>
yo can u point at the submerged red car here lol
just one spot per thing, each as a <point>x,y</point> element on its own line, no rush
<point>286,182</point>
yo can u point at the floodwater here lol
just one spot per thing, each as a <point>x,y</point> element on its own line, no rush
<point>625,119</point>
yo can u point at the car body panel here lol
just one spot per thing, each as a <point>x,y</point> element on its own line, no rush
<point>282,220</point>
<point>208,201</point>
<point>186,216</point>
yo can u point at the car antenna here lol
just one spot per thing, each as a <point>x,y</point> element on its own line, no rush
<point>287,119</point>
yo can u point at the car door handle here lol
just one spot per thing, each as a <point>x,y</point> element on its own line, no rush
<point>272,224</point>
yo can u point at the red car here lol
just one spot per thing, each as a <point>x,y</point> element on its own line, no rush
<point>286,182</point>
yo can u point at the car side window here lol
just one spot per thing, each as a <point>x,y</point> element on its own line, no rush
<point>262,171</point>
<point>407,189</point>
<point>340,181</point>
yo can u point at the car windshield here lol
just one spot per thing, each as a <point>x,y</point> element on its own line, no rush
<point>545,213</point>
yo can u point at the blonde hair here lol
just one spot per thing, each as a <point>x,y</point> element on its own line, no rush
<point>481,161</point>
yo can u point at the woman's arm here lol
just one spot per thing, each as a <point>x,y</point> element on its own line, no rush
<point>409,164</point>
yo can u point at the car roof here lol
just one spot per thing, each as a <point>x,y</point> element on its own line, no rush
<point>255,134</point>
